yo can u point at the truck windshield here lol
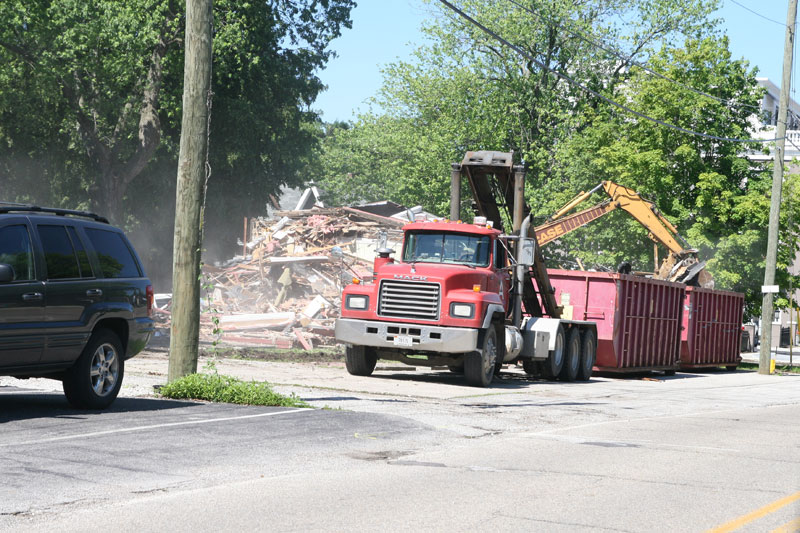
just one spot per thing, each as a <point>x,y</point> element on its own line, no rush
<point>459,248</point>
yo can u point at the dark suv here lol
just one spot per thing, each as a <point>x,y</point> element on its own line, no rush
<point>74,301</point>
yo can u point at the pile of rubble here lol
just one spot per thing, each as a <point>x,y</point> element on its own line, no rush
<point>284,290</point>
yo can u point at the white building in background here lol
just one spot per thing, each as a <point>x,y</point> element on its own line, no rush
<point>765,124</point>
<point>765,127</point>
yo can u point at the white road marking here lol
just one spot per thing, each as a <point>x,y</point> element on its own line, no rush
<point>154,426</point>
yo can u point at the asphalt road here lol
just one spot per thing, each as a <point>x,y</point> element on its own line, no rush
<point>412,451</point>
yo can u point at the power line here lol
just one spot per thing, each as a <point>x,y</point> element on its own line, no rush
<point>632,61</point>
<point>591,91</point>
<point>758,14</point>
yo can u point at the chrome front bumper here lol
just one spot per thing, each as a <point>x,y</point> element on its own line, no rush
<point>423,338</point>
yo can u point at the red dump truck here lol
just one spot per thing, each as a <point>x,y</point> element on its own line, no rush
<point>467,296</point>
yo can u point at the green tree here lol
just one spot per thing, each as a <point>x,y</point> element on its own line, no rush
<point>466,91</point>
<point>717,198</point>
<point>92,91</point>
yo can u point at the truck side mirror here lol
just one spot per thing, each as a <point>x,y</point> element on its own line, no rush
<point>527,249</point>
<point>6,273</point>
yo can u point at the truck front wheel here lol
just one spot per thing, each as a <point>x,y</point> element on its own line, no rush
<point>479,366</point>
<point>360,360</point>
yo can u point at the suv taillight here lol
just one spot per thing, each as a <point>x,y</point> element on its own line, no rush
<point>150,299</point>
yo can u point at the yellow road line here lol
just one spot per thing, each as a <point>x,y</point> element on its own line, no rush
<point>755,515</point>
<point>790,527</point>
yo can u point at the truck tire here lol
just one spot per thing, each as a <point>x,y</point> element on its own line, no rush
<point>552,366</point>
<point>93,382</point>
<point>479,366</point>
<point>588,355</point>
<point>360,360</point>
<point>572,356</point>
<point>500,342</point>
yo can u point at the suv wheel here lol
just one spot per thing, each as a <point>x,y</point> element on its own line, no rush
<point>94,380</point>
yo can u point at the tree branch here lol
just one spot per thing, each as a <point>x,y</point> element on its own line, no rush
<point>149,123</point>
<point>87,127</point>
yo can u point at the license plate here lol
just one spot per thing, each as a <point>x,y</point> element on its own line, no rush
<point>403,340</point>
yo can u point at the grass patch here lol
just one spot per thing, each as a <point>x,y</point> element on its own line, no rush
<point>782,369</point>
<point>226,389</point>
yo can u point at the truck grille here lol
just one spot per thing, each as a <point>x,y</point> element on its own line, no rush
<point>409,299</point>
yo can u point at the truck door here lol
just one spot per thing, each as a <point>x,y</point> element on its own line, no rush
<point>500,262</point>
<point>21,299</point>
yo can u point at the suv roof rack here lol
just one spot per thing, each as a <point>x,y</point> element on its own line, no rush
<point>6,207</point>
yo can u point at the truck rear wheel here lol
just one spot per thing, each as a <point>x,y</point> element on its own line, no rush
<point>479,366</point>
<point>552,366</point>
<point>572,356</point>
<point>588,355</point>
<point>360,360</point>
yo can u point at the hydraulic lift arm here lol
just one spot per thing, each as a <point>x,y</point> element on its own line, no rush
<point>497,188</point>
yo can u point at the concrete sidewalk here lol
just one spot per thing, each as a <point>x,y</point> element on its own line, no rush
<point>781,356</point>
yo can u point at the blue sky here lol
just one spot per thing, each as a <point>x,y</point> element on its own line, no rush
<point>386,30</point>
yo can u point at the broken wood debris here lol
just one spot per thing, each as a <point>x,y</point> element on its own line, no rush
<point>286,291</point>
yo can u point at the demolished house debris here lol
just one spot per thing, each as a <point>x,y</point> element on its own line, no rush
<point>285,290</point>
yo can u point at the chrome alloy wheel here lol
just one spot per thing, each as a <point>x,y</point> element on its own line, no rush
<point>104,370</point>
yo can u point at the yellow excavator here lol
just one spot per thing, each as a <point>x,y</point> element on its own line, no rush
<point>681,264</point>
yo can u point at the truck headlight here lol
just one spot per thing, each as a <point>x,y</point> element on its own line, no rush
<point>356,301</point>
<point>462,310</point>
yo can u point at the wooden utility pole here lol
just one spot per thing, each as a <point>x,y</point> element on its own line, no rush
<point>184,336</point>
<point>775,202</point>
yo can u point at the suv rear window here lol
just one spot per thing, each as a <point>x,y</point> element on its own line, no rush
<point>116,259</point>
<point>16,250</point>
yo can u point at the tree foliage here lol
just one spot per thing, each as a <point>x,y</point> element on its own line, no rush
<point>466,91</point>
<point>715,196</point>
<point>91,102</point>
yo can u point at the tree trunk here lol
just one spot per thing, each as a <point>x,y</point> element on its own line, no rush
<point>190,189</point>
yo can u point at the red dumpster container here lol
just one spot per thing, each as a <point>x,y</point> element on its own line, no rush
<point>638,319</point>
<point>712,328</point>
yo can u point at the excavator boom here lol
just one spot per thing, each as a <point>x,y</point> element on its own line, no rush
<point>681,264</point>
<point>554,229</point>
<point>661,230</point>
